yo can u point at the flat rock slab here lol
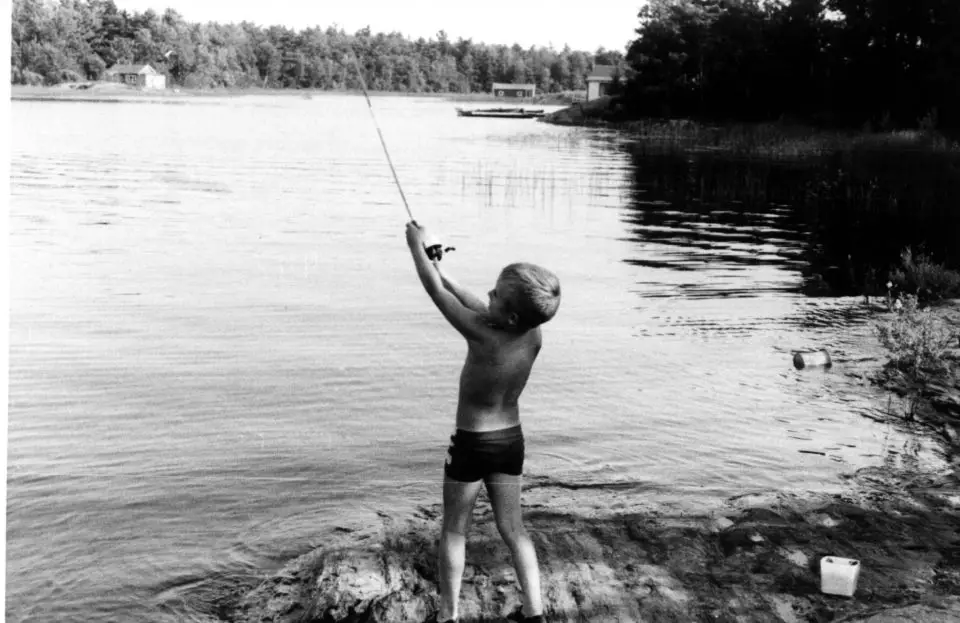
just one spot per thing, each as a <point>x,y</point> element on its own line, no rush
<point>761,563</point>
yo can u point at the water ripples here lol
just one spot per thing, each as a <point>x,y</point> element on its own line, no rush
<point>220,355</point>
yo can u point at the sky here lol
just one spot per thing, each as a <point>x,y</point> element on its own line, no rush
<point>582,25</point>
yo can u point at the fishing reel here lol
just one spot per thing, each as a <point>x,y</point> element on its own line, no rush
<point>434,248</point>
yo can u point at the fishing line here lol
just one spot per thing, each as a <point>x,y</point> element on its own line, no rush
<point>434,249</point>
<point>383,143</point>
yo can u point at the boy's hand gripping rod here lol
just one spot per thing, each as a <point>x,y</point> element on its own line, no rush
<point>432,246</point>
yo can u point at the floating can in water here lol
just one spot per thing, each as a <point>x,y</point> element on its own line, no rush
<point>838,576</point>
<point>809,360</point>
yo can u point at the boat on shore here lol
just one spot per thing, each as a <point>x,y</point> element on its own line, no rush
<point>502,113</point>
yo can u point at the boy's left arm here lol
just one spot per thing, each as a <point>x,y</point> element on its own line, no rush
<point>469,323</point>
<point>466,297</point>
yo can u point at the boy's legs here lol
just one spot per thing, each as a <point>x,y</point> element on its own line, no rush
<point>504,492</point>
<point>458,500</point>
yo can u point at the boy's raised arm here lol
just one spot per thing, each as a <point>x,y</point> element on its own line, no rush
<point>465,320</point>
<point>466,297</point>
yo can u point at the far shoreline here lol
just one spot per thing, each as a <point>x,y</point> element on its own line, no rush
<point>108,91</point>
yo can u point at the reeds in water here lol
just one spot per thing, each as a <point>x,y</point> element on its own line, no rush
<point>774,140</point>
<point>861,199</point>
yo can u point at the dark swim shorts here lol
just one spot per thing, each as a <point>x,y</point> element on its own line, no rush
<point>473,455</point>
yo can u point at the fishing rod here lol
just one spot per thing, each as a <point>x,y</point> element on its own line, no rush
<point>432,246</point>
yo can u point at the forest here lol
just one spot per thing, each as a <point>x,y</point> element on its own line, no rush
<point>880,64</point>
<point>74,40</point>
<point>884,64</point>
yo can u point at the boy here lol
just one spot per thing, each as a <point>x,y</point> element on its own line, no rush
<point>503,339</point>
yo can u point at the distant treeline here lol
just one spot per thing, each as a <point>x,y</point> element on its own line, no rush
<point>73,40</point>
<point>887,63</point>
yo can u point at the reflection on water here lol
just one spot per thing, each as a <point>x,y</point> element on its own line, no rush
<point>220,353</point>
<point>843,224</point>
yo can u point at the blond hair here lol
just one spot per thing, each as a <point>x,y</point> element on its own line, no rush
<point>534,293</point>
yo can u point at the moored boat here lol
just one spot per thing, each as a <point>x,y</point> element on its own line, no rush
<point>502,113</point>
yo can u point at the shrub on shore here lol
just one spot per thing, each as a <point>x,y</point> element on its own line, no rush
<point>916,338</point>
<point>924,279</point>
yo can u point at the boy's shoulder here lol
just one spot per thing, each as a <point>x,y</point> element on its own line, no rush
<point>500,338</point>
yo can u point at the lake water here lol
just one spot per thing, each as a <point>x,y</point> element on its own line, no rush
<point>220,350</point>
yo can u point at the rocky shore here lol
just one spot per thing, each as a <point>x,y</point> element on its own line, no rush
<point>606,556</point>
<point>605,559</point>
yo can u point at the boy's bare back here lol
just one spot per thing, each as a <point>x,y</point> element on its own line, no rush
<point>493,376</point>
<point>503,334</point>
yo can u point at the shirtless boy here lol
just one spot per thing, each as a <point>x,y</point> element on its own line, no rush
<point>503,339</point>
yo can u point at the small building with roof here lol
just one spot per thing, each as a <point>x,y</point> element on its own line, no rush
<point>504,89</point>
<point>143,76</point>
<point>600,79</point>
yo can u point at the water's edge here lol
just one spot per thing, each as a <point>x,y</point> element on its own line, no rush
<point>604,551</point>
<point>758,560</point>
